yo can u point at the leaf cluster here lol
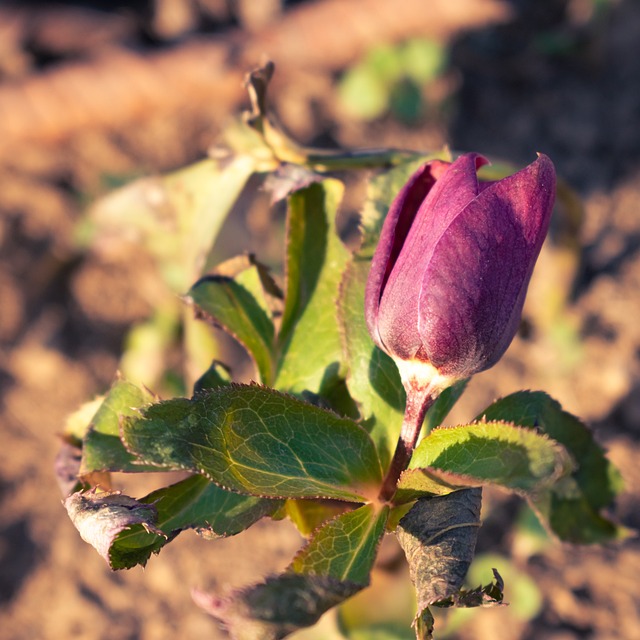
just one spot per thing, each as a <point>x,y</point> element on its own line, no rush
<point>312,437</point>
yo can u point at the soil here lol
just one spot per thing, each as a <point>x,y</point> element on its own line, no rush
<point>560,77</point>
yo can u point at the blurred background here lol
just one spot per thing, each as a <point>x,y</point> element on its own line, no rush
<point>95,94</point>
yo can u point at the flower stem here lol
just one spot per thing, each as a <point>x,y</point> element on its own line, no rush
<point>419,399</point>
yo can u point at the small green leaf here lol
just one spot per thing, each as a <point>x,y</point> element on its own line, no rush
<point>344,548</point>
<point>571,508</point>
<point>424,625</point>
<point>193,503</point>
<point>78,423</point>
<point>439,536</point>
<point>227,303</point>
<point>493,452</point>
<point>102,448</point>
<point>309,337</point>
<point>255,440</point>
<point>217,375</point>
<point>443,404</point>
<point>309,515</point>
<point>420,483</point>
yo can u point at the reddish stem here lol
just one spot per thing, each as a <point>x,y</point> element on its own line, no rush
<point>418,402</point>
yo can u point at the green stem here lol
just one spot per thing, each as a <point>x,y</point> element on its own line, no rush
<point>287,150</point>
<point>418,402</point>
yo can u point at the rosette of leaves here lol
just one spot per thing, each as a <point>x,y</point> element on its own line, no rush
<point>312,438</point>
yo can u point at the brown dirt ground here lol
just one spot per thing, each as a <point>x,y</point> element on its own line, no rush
<point>550,80</point>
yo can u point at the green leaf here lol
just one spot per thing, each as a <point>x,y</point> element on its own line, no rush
<point>175,217</point>
<point>308,515</point>
<point>102,448</point>
<point>443,404</point>
<point>78,423</point>
<point>257,441</point>
<point>438,536</point>
<point>372,376</point>
<point>571,508</point>
<point>419,483</point>
<point>344,548</point>
<point>193,503</point>
<point>424,625</point>
<point>309,337</point>
<point>226,302</point>
<point>493,452</point>
<point>217,375</point>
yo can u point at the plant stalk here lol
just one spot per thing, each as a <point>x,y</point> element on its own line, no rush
<point>419,400</point>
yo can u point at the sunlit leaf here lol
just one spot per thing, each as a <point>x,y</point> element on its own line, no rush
<point>78,423</point>
<point>344,548</point>
<point>309,337</point>
<point>102,448</point>
<point>257,441</point>
<point>217,375</point>
<point>363,93</point>
<point>443,404</point>
<point>309,515</point>
<point>492,452</point>
<point>418,483</point>
<point>227,303</point>
<point>423,59</point>
<point>571,508</point>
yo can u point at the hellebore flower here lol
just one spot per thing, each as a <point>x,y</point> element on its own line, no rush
<point>450,274</point>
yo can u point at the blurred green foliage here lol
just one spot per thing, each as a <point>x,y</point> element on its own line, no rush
<point>391,79</point>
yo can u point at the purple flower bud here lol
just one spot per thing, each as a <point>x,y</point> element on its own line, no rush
<point>450,274</point>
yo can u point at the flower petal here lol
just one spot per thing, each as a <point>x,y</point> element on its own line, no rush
<point>394,232</point>
<point>473,289</point>
<point>398,312</point>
